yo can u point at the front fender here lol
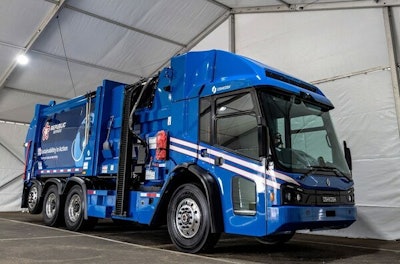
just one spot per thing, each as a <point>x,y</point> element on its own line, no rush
<point>192,173</point>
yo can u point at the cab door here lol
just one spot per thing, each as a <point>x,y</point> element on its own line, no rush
<point>230,150</point>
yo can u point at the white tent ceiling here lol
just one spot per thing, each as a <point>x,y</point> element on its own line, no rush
<point>73,44</point>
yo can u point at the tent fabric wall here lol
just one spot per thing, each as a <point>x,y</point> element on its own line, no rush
<point>323,47</point>
<point>322,44</point>
<point>12,137</point>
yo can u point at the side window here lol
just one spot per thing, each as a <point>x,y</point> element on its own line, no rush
<point>234,104</point>
<point>236,124</point>
<point>244,196</point>
<point>205,120</point>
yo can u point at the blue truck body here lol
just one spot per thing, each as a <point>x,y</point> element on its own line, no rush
<point>214,143</point>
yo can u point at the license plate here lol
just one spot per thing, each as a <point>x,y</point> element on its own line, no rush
<point>328,199</point>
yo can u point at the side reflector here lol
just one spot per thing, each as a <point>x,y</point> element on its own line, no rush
<point>27,150</point>
<point>271,196</point>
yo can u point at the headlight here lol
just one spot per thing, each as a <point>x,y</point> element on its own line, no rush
<point>288,196</point>
<point>298,197</point>
<point>350,196</point>
<point>292,195</point>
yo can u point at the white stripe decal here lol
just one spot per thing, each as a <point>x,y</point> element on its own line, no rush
<point>273,184</point>
<point>240,171</point>
<point>207,159</point>
<point>183,143</point>
<point>244,173</point>
<point>249,165</point>
<point>252,166</point>
<point>249,175</point>
<point>184,151</point>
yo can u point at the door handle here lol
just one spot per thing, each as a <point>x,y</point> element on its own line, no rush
<point>219,161</point>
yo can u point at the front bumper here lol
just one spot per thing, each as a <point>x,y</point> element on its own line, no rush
<point>292,218</point>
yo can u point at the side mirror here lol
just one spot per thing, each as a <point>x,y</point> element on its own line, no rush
<point>347,155</point>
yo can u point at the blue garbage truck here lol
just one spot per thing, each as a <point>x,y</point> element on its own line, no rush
<point>214,143</point>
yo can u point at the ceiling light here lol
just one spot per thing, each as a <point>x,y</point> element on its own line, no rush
<point>22,59</point>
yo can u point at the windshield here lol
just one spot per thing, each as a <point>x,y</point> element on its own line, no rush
<point>302,135</point>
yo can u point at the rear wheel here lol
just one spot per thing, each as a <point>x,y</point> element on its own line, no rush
<point>52,204</point>
<point>74,211</point>
<point>34,205</point>
<point>188,220</point>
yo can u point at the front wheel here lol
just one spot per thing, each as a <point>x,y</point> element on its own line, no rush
<point>74,211</point>
<point>52,204</point>
<point>188,220</point>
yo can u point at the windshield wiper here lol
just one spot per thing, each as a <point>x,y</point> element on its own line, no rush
<point>335,170</point>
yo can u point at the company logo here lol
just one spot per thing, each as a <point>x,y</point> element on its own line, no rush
<point>215,89</point>
<point>55,129</point>
<point>328,182</point>
<point>329,199</point>
<point>46,132</point>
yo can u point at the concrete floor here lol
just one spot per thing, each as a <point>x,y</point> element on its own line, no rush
<point>24,239</point>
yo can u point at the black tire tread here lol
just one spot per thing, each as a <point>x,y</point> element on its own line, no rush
<point>57,219</point>
<point>204,240</point>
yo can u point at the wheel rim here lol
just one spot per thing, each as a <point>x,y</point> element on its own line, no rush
<point>74,208</point>
<point>51,205</point>
<point>32,197</point>
<point>188,218</point>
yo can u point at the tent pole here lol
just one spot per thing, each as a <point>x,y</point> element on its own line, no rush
<point>389,32</point>
<point>232,34</point>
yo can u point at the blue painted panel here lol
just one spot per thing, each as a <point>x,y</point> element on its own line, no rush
<point>100,203</point>
<point>287,218</point>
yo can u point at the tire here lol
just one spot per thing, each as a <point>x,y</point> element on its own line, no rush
<point>51,207</point>
<point>276,239</point>
<point>74,211</point>
<point>34,203</point>
<point>188,220</point>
